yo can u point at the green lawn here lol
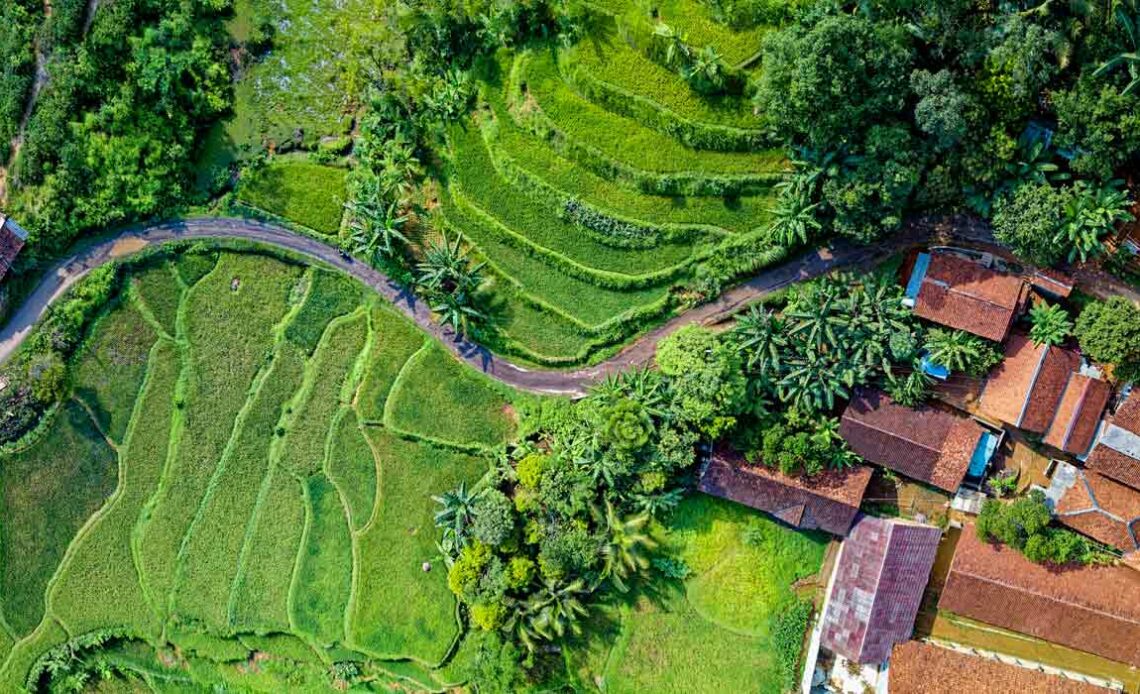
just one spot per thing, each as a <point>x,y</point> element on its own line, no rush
<point>309,194</point>
<point>712,633</point>
<point>436,397</point>
<point>110,368</point>
<point>49,492</point>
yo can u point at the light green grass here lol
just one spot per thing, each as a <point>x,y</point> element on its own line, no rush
<point>397,609</point>
<point>577,298</point>
<point>110,368</point>
<point>330,294</point>
<point>711,634</point>
<point>623,139</point>
<point>323,580</point>
<point>230,335</point>
<point>395,339</point>
<point>101,585</point>
<point>439,398</point>
<point>604,56</point>
<point>328,373</point>
<point>209,560</point>
<point>309,194</point>
<point>160,293</point>
<point>282,646</point>
<point>20,661</point>
<point>696,23</point>
<point>511,144</point>
<point>260,599</point>
<point>352,467</point>
<point>49,491</point>
<point>192,267</point>
<point>542,334</point>
<point>542,225</point>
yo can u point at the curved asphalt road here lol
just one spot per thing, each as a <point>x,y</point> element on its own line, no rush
<point>68,271</point>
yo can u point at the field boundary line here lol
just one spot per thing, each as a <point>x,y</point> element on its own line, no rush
<point>398,382</point>
<point>326,470</point>
<point>177,427</point>
<point>140,304</point>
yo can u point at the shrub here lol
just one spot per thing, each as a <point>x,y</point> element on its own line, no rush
<point>494,518</point>
<point>1109,331</point>
<point>530,470</point>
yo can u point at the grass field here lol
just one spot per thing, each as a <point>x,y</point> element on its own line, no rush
<point>309,194</point>
<point>246,505</point>
<point>711,632</point>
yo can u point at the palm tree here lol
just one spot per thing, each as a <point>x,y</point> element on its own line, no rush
<point>793,218</point>
<point>1128,17</point>
<point>447,268</point>
<point>1089,215</point>
<point>953,349</point>
<point>624,550</point>
<point>1051,324</point>
<point>553,610</point>
<point>457,310</point>
<point>759,335</point>
<point>457,514</point>
<point>676,49</point>
<point>911,389</point>
<point>376,225</point>
<point>706,69</point>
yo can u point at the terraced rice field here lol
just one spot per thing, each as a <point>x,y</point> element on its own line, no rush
<point>246,465</point>
<point>593,181</point>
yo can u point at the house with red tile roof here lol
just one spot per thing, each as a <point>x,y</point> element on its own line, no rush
<point>1088,608</point>
<point>12,239</point>
<point>1116,454</point>
<point>828,501</point>
<point>927,443</point>
<point>1042,389</point>
<point>919,667</point>
<point>959,293</point>
<point>1094,505</point>
<point>881,573</point>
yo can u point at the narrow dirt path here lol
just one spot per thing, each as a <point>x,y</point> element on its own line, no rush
<point>840,254</point>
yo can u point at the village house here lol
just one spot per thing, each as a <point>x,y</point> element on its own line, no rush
<point>928,443</point>
<point>1092,504</point>
<point>1087,608</point>
<point>950,290</point>
<point>919,667</point>
<point>1116,454</point>
<point>882,571</point>
<point>1045,389</point>
<point>12,239</point>
<point>828,501</point>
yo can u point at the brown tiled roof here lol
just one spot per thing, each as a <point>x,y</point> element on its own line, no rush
<point>1113,463</point>
<point>1078,414</point>
<point>1052,282</point>
<point>882,573</point>
<point>962,294</point>
<point>828,501</point>
<point>925,668</point>
<point>1025,388</point>
<point>1102,509</point>
<point>12,240</point>
<point>924,443</point>
<point>1090,608</point>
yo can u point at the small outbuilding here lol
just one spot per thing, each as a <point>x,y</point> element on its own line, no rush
<point>919,667</point>
<point>880,577</point>
<point>12,240</point>
<point>952,290</point>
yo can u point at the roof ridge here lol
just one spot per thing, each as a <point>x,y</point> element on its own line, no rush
<point>957,289</point>
<point>987,579</point>
<point>893,434</point>
<point>878,579</point>
<point>1033,382</point>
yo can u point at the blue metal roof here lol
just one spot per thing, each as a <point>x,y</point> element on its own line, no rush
<point>921,264</point>
<point>987,444</point>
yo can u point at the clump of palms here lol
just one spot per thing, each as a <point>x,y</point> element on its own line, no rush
<point>551,612</point>
<point>1050,324</point>
<point>794,216</point>
<point>450,281</point>
<point>910,389</point>
<point>1090,214</point>
<point>627,542</point>
<point>377,224</point>
<point>455,517</point>
<point>960,351</point>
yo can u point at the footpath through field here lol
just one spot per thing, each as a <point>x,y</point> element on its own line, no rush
<point>841,254</point>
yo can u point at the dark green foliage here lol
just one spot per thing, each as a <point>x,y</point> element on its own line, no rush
<point>787,639</point>
<point>1024,525</point>
<point>706,378</point>
<point>1050,324</point>
<point>17,26</point>
<point>958,350</point>
<point>1027,222</point>
<point>494,518</point>
<point>944,110</point>
<point>1109,331</point>
<point>823,82</point>
<point>114,128</point>
<point>1099,124</point>
<point>614,232</point>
